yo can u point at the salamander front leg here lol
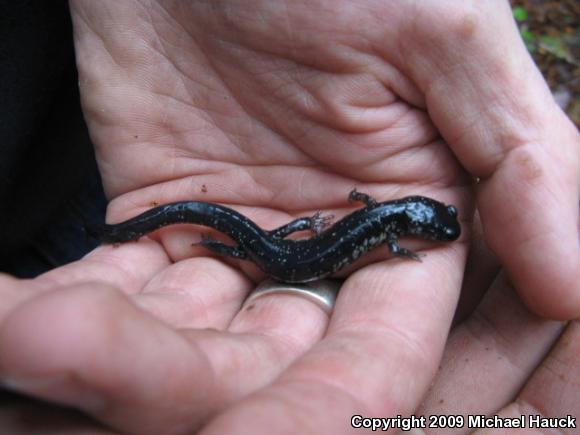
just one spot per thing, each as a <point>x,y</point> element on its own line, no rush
<point>221,248</point>
<point>397,251</point>
<point>368,200</point>
<point>315,223</point>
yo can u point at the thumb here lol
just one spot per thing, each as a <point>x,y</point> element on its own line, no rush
<point>494,109</point>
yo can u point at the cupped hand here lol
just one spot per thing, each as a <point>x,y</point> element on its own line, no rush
<point>502,360</point>
<point>278,110</point>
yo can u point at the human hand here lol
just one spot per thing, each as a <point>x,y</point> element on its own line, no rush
<point>325,98</point>
<point>293,107</point>
<point>501,359</point>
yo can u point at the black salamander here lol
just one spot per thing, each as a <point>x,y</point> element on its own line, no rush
<point>326,252</point>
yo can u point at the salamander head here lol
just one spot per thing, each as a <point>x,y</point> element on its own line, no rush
<point>431,219</point>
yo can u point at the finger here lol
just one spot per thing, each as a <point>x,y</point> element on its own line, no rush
<point>497,114</point>
<point>264,338</point>
<point>377,358</point>
<point>489,358</point>
<point>275,329</point>
<point>128,267</point>
<point>552,391</point>
<point>195,293</point>
<point>14,292</point>
<point>89,347</point>
<point>533,230</point>
<point>480,271</point>
<point>287,315</point>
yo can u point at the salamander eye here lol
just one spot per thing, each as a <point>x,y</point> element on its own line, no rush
<point>452,211</point>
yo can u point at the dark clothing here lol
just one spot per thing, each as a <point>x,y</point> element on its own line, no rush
<point>49,183</point>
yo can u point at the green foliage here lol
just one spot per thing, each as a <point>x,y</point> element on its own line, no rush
<point>556,44</point>
<point>520,13</point>
<point>529,38</point>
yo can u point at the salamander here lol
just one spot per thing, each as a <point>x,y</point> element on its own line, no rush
<point>295,261</point>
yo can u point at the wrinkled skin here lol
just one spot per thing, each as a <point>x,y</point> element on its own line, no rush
<point>279,109</point>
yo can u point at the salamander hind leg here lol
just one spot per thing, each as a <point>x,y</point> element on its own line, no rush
<point>397,251</point>
<point>316,223</point>
<point>221,248</point>
<point>368,200</point>
<point>320,222</point>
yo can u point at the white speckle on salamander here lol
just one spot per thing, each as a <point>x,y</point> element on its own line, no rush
<point>343,262</point>
<point>304,260</point>
<point>368,244</point>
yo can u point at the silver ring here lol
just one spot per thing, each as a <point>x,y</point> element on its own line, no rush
<point>322,293</point>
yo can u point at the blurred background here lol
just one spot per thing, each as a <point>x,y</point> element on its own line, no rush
<point>551,33</point>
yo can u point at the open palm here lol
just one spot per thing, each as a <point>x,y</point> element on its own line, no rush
<point>278,110</point>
